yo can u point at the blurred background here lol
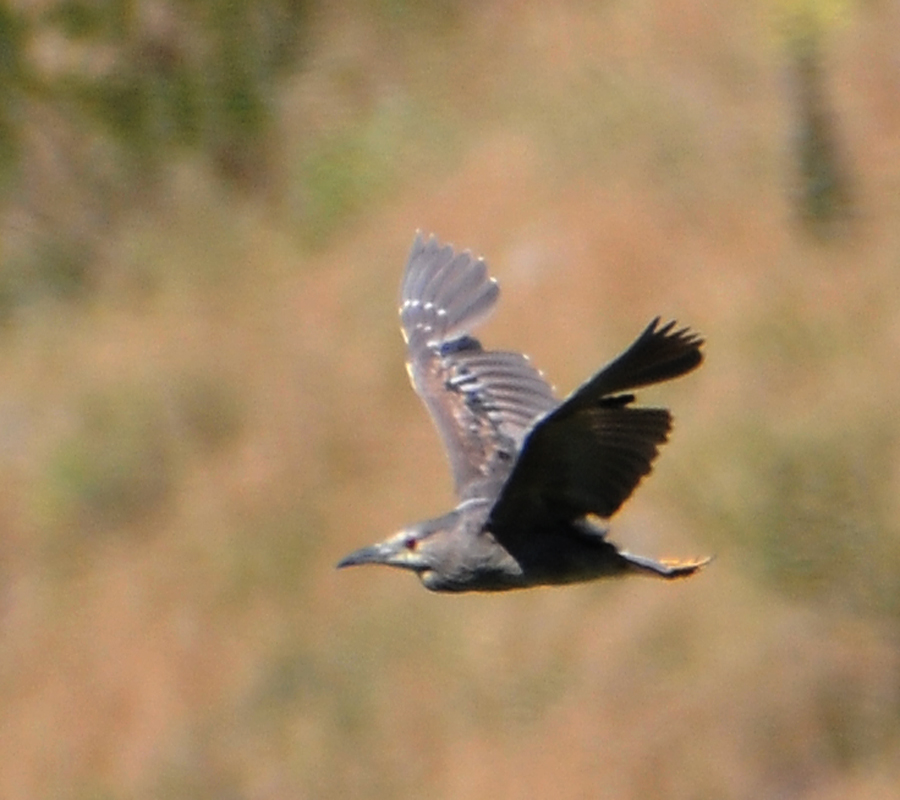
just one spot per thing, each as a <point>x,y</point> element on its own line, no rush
<point>206,208</point>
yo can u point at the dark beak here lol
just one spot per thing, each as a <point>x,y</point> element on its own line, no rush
<point>374,554</point>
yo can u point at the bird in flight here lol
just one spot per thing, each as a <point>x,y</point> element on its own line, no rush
<point>536,478</point>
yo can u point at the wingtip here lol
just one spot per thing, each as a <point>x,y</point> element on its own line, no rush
<point>670,330</point>
<point>423,240</point>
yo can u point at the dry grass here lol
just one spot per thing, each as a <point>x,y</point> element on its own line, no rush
<point>187,452</point>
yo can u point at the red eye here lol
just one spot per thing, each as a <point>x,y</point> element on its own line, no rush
<point>410,543</point>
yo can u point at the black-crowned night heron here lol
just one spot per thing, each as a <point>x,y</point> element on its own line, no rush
<point>535,478</point>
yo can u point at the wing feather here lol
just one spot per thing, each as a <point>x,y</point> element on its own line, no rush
<point>588,455</point>
<point>483,403</point>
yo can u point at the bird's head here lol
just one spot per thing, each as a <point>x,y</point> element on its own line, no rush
<point>408,549</point>
<point>446,554</point>
<point>422,548</point>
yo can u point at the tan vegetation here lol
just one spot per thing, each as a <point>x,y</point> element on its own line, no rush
<point>189,445</point>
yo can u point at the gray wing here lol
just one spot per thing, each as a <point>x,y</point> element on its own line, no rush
<point>483,403</point>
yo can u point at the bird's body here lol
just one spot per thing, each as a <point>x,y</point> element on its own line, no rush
<point>535,477</point>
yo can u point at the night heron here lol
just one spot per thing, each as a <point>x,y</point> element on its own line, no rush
<point>535,478</point>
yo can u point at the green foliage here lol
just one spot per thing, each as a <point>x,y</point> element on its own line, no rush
<point>437,16</point>
<point>337,178</point>
<point>822,181</point>
<point>56,267</point>
<point>824,196</point>
<point>122,460</point>
<point>84,20</point>
<point>208,411</point>
<point>12,36</point>
<point>199,75</point>
<point>272,551</point>
<point>815,511</point>
<point>97,99</point>
<point>343,172</point>
<point>117,466</point>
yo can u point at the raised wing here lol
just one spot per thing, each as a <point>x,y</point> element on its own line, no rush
<point>588,455</point>
<point>483,403</point>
